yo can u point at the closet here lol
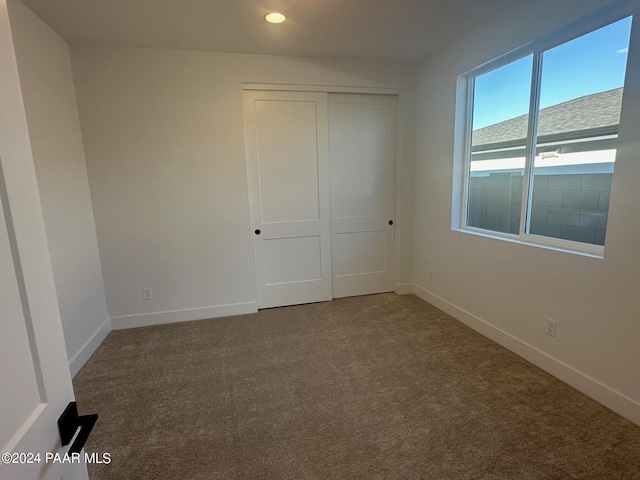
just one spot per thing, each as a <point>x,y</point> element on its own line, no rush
<point>322,188</point>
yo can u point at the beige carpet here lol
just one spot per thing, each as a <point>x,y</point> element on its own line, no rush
<point>375,387</point>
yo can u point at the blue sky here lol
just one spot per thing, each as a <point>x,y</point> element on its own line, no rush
<point>593,63</point>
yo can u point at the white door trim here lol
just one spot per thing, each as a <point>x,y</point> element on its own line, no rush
<point>292,87</point>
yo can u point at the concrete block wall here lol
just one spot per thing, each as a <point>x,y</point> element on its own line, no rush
<point>567,206</point>
<point>495,202</point>
<point>572,207</point>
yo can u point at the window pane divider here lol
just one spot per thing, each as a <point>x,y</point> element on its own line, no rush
<point>530,148</point>
<point>466,192</point>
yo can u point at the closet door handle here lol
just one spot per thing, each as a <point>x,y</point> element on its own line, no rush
<point>257,232</point>
<point>390,222</point>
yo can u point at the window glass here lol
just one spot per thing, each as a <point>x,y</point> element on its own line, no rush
<point>580,98</point>
<point>498,139</point>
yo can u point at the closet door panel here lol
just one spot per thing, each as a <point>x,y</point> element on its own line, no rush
<point>287,162</point>
<point>362,146</point>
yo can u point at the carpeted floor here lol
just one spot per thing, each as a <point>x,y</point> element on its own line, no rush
<point>375,387</point>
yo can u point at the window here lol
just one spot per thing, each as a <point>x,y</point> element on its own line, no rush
<point>541,141</point>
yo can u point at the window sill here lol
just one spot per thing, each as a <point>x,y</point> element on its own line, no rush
<point>547,243</point>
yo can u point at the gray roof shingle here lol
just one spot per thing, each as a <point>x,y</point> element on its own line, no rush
<point>583,113</point>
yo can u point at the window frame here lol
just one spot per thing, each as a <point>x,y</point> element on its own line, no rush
<point>464,125</point>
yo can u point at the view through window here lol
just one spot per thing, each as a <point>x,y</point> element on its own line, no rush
<point>561,107</point>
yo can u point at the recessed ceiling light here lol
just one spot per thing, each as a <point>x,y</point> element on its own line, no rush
<point>275,17</point>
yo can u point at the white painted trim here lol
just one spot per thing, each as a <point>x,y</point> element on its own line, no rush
<point>398,218</point>
<point>187,315</point>
<point>320,88</point>
<point>539,241</point>
<point>84,354</point>
<point>609,397</point>
<point>404,288</point>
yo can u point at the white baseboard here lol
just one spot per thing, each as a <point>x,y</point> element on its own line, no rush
<point>404,288</point>
<point>616,401</point>
<point>81,356</point>
<point>175,316</point>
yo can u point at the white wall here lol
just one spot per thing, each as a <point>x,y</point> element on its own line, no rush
<point>506,290</point>
<point>164,142</point>
<point>54,129</point>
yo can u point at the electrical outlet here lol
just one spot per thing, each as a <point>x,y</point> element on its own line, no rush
<point>146,294</point>
<point>551,327</point>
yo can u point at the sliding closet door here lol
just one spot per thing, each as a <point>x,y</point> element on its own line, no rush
<point>362,151</point>
<point>288,171</point>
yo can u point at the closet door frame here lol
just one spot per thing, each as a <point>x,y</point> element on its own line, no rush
<point>329,89</point>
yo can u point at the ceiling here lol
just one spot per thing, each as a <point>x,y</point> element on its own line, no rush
<point>404,30</point>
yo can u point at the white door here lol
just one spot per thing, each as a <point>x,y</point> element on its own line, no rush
<point>288,171</point>
<point>34,374</point>
<point>362,152</point>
